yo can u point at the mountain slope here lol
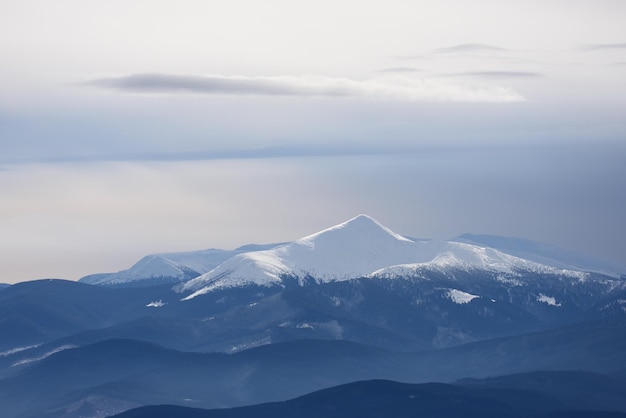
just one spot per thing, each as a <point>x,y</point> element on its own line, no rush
<point>545,254</point>
<point>39,311</point>
<point>169,267</point>
<point>419,309</point>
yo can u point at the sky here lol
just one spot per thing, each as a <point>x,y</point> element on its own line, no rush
<point>136,127</point>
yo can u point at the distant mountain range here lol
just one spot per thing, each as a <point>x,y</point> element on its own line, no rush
<point>354,302</point>
<point>115,375</point>
<point>342,259</point>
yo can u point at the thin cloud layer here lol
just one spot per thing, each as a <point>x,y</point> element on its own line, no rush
<point>400,70</point>
<point>599,47</point>
<point>470,47</point>
<point>395,88</point>
<point>495,74</point>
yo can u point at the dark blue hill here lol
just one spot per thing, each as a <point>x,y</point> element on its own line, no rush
<point>380,398</point>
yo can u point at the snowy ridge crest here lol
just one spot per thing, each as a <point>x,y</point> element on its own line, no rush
<point>360,247</point>
<point>180,266</point>
<point>467,257</point>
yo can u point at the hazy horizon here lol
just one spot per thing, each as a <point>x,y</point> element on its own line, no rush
<point>129,129</point>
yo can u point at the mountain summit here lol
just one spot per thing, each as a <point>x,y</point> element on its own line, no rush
<point>359,247</point>
<point>361,226</point>
<point>349,250</point>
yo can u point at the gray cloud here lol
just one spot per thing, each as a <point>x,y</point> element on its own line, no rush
<point>495,74</point>
<point>217,84</point>
<point>470,47</point>
<point>383,88</point>
<point>337,149</point>
<point>599,47</point>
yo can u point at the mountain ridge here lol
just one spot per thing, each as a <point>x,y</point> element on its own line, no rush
<point>545,253</point>
<point>179,268</point>
<point>360,247</point>
<point>176,267</point>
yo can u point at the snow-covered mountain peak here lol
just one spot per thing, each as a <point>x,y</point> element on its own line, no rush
<point>348,250</point>
<point>360,247</point>
<point>359,227</point>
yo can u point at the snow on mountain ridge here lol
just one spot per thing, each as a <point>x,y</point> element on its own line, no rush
<point>449,254</point>
<point>545,254</point>
<point>363,225</point>
<point>359,247</point>
<point>176,265</point>
<point>351,249</point>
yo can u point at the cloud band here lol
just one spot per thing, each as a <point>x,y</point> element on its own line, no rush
<point>396,88</point>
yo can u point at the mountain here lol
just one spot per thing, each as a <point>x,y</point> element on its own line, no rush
<point>515,397</point>
<point>353,302</point>
<point>404,314</point>
<point>33,313</point>
<point>360,247</point>
<point>116,375</point>
<point>545,254</point>
<point>357,281</point>
<point>318,256</point>
<point>172,268</point>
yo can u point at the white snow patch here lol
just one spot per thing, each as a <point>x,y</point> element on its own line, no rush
<point>332,327</point>
<point>198,293</point>
<point>156,304</point>
<point>48,354</point>
<point>460,297</point>
<point>547,299</point>
<point>17,350</point>
<point>304,325</point>
<point>621,303</point>
<point>257,343</point>
<point>508,280</point>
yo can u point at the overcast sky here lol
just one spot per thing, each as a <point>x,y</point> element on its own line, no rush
<point>133,127</point>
